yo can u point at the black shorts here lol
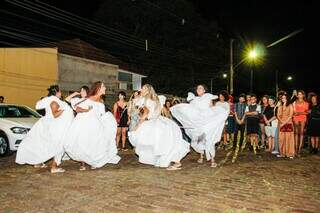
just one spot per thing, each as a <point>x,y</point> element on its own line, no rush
<point>253,125</point>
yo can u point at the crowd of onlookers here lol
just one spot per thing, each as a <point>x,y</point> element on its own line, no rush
<point>281,125</point>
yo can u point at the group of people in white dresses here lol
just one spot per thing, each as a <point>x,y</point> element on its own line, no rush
<point>89,137</point>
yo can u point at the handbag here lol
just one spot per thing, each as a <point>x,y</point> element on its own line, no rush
<point>286,128</point>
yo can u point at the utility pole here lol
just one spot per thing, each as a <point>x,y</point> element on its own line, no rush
<point>211,85</point>
<point>231,66</point>
<point>277,83</point>
<point>251,80</point>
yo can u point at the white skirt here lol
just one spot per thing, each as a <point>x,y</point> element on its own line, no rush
<point>45,140</point>
<point>204,126</point>
<point>92,139</point>
<point>159,142</point>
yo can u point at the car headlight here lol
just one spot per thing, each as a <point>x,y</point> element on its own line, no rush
<point>19,130</point>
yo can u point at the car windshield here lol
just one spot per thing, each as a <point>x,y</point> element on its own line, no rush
<point>11,111</point>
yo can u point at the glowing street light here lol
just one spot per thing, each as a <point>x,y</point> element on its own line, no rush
<point>224,75</point>
<point>289,78</point>
<point>253,54</point>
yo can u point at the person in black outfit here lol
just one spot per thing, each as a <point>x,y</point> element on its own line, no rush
<point>252,120</point>
<point>120,112</point>
<point>240,125</point>
<point>313,127</point>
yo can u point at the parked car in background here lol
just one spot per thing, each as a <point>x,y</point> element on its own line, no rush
<point>15,122</point>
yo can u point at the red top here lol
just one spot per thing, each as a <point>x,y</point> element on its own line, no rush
<point>300,107</point>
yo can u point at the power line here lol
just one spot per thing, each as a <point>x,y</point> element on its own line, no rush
<point>48,41</point>
<point>73,23</point>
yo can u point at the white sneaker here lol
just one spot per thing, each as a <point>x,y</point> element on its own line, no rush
<point>275,152</point>
<point>57,170</point>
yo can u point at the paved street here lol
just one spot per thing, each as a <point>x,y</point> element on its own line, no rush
<point>259,183</point>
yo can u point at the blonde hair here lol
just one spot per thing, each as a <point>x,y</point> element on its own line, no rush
<point>131,107</point>
<point>152,95</point>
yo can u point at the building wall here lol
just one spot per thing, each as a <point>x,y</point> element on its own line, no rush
<point>74,72</point>
<point>133,81</point>
<point>26,73</point>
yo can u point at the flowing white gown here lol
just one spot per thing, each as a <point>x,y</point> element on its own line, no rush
<point>158,141</point>
<point>202,122</point>
<point>92,136</point>
<point>45,140</point>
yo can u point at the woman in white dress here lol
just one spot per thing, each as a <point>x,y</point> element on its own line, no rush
<point>202,121</point>
<point>92,135</point>
<point>157,140</point>
<point>77,97</point>
<point>74,100</point>
<point>45,140</point>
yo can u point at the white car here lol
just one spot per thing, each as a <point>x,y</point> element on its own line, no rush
<point>15,122</point>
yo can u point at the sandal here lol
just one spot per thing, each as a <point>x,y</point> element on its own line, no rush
<point>40,166</point>
<point>57,170</point>
<point>214,165</point>
<point>82,168</point>
<point>173,168</point>
<point>200,160</point>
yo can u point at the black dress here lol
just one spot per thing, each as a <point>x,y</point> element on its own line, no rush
<point>122,116</point>
<point>313,127</point>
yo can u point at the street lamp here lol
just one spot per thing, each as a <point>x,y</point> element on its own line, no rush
<point>252,54</point>
<point>225,76</point>
<point>289,78</point>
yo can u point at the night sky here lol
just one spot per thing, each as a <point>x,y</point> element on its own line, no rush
<point>254,21</point>
<point>266,22</point>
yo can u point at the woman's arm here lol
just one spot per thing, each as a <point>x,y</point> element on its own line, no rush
<point>80,110</point>
<point>115,109</point>
<point>279,115</point>
<point>290,115</point>
<point>55,109</point>
<point>143,117</point>
<point>272,119</point>
<point>145,114</point>
<point>71,96</point>
<point>266,120</point>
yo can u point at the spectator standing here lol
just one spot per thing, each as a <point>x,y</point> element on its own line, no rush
<point>286,135</point>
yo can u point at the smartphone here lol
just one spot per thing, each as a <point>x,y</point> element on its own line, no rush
<point>294,92</point>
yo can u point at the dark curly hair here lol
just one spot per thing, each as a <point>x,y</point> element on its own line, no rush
<point>204,87</point>
<point>225,94</point>
<point>53,90</point>
<point>122,93</point>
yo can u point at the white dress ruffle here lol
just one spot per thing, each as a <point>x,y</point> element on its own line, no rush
<point>92,136</point>
<point>202,122</point>
<point>45,140</point>
<point>158,141</point>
